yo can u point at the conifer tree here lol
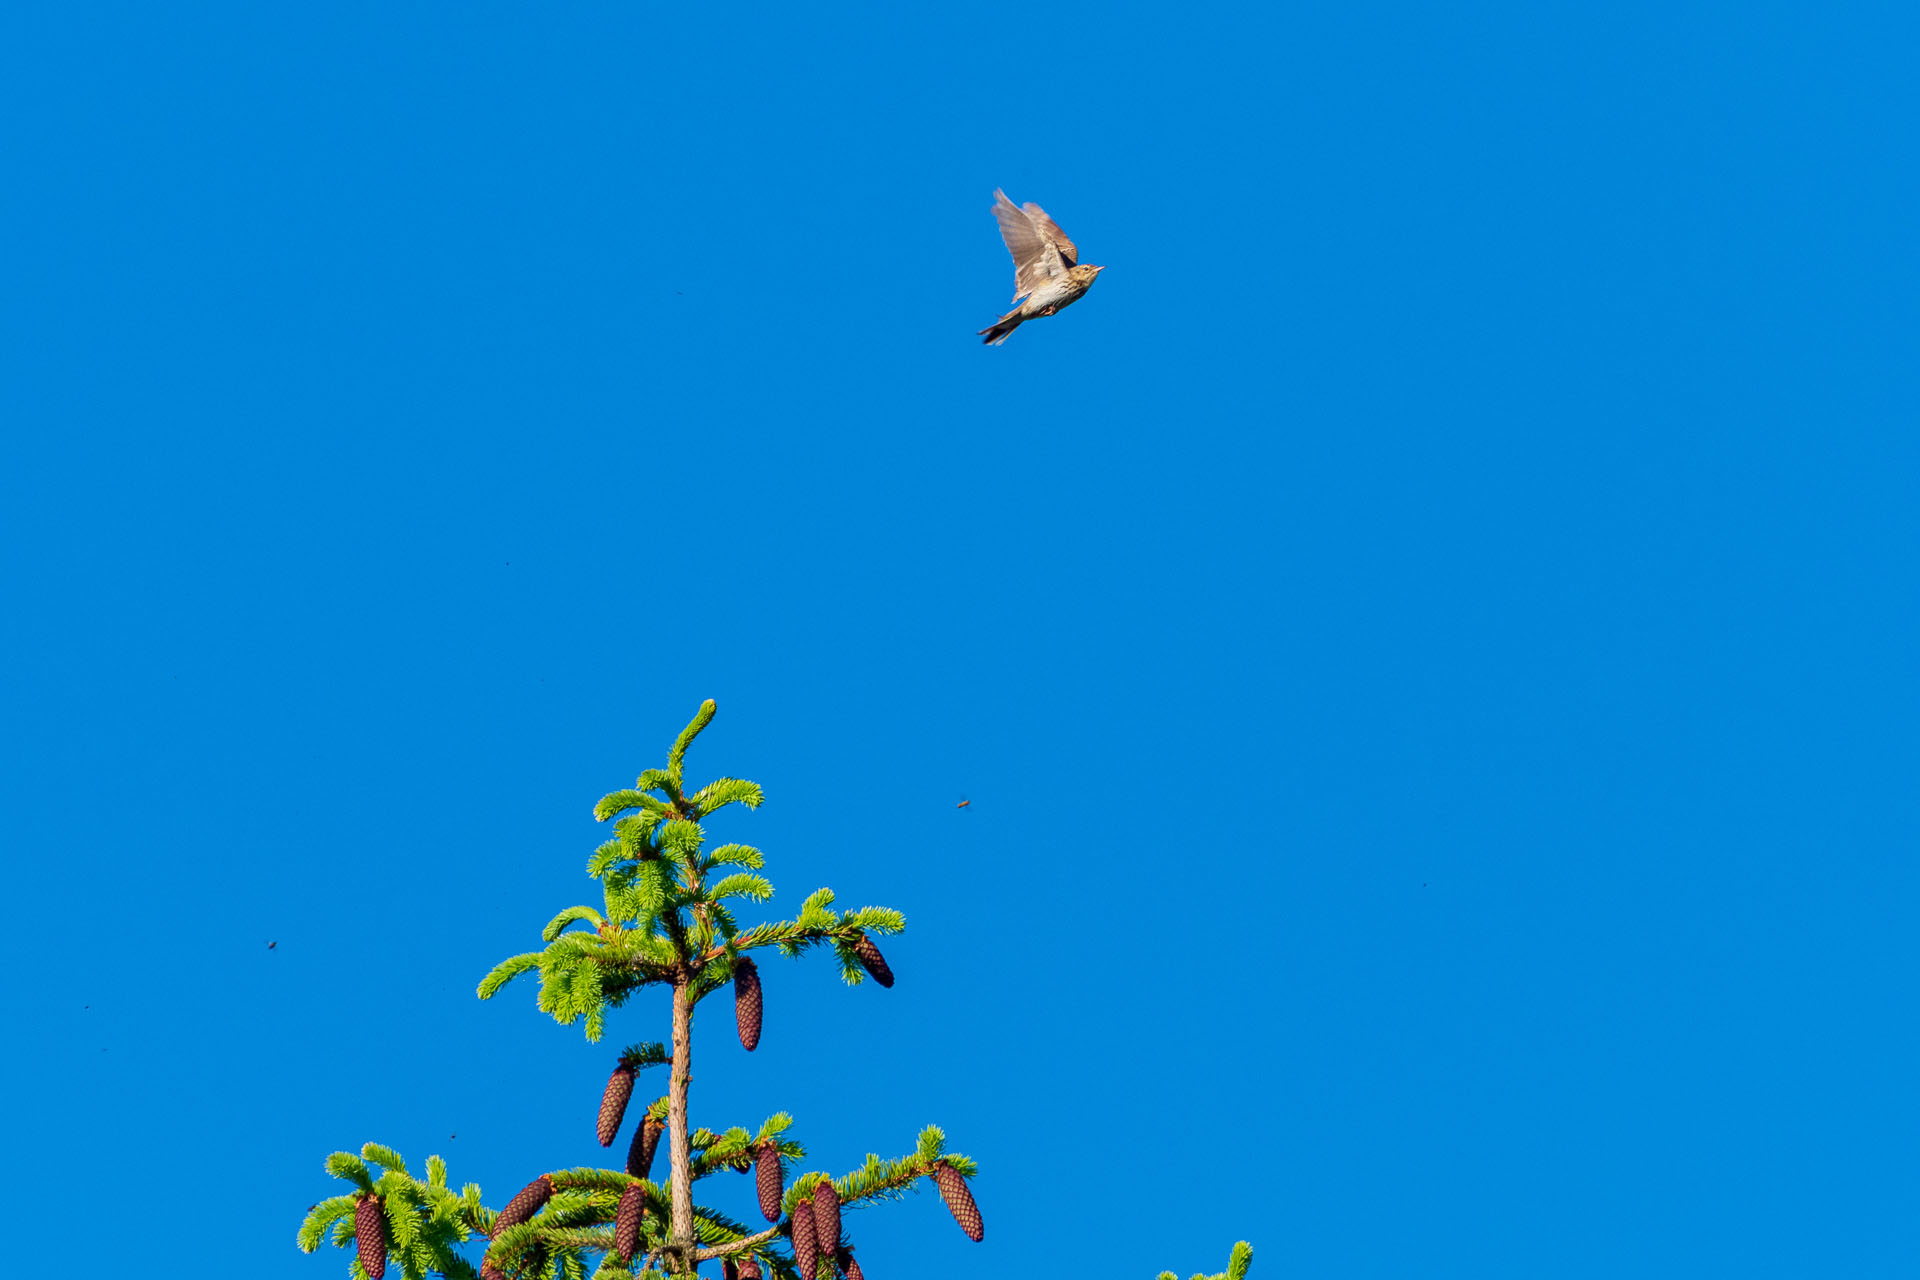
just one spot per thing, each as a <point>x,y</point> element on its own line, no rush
<point>667,921</point>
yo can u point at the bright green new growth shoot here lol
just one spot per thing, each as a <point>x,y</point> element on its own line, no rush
<point>1237,1263</point>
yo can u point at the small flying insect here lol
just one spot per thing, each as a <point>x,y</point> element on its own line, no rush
<point>964,802</point>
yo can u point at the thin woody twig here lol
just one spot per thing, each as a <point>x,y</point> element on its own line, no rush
<point>806,935</point>
<point>738,1246</point>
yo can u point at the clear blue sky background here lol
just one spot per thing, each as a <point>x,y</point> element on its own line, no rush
<point>1429,642</point>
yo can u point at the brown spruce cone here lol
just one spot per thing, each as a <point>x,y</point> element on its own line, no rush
<point>524,1205</point>
<point>806,1246</point>
<point>645,1139</point>
<point>370,1234</point>
<point>875,963</point>
<point>767,1176</point>
<point>613,1103</point>
<point>490,1272</point>
<point>849,1265</point>
<point>750,1269</point>
<point>747,1002</point>
<point>826,1217</point>
<point>727,1270</point>
<point>626,1221</point>
<point>953,1189</point>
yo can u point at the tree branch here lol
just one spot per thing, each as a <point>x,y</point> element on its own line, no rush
<point>761,936</point>
<point>738,1246</point>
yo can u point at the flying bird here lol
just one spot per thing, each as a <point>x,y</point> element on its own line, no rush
<point>1046,266</point>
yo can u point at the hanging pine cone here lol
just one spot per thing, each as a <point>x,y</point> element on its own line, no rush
<point>875,963</point>
<point>826,1217</point>
<point>747,1002</point>
<point>370,1234</point>
<point>728,1271</point>
<point>806,1246</point>
<point>645,1139</point>
<point>767,1176</point>
<point>613,1103</point>
<point>849,1265</point>
<point>626,1221</point>
<point>524,1205</point>
<point>953,1189</point>
<point>490,1272</point>
<point>750,1269</point>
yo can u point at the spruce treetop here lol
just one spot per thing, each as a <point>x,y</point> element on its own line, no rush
<point>665,915</point>
<point>666,920</point>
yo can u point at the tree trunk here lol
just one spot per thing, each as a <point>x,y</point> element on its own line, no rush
<point>679,1150</point>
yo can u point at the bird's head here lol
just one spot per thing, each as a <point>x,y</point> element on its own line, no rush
<point>1085,273</point>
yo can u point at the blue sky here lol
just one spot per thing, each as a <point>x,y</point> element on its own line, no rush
<point>1428,642</point>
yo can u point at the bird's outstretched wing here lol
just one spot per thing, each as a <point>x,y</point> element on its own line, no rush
<point>1051,232</point>
<point>1034,242</point>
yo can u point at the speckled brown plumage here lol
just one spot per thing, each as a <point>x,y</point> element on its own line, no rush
<point>1047,271</point>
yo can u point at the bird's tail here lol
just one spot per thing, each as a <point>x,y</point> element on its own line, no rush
<point>1006,324</point>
